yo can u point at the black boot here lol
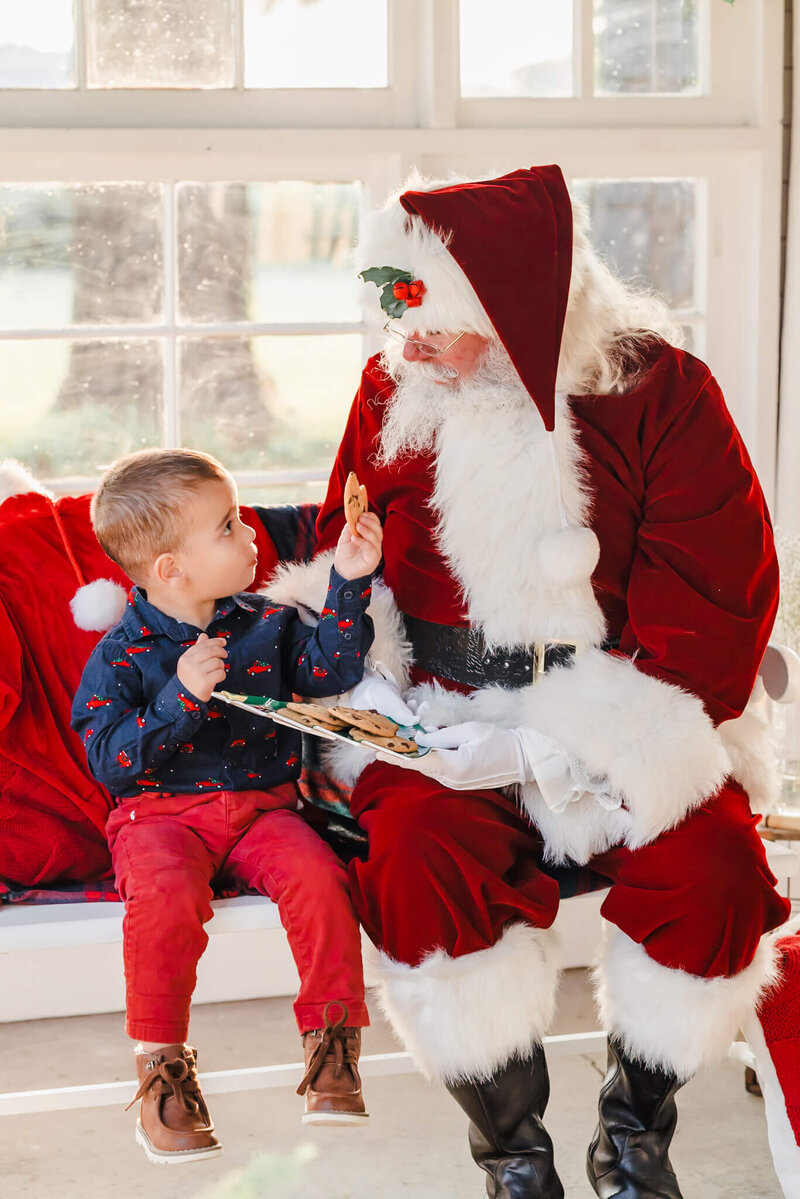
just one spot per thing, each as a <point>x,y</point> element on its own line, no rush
<point>629,1155</point>
<point>506,1134</point>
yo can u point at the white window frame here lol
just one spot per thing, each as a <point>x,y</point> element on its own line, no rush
<point>730,141</point>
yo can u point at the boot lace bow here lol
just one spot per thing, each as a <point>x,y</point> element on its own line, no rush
<point>335,1043</point>
<point>178,1077</point>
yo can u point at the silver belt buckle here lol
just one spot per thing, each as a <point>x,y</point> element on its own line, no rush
<point>540,651</point>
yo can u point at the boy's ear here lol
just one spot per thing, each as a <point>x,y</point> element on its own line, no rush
<point>167,571</point>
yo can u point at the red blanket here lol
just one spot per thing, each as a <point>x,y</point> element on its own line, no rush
<point>52,812</point>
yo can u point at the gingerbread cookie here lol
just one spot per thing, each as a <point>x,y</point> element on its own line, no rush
<point>355,501</point>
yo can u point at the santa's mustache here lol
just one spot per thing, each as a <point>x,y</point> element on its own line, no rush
<point>421,406</point>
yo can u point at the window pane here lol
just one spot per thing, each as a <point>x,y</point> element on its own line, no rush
<point>160,43</point>
<point>267,251</point>
<point>36,44</point>
<point>647,228</point>
<point>80,255</point>
<point>71,406</point>
<point>646,46</point>
<point>265,402</point>
<point>315,43</point>
<point>523,49</point>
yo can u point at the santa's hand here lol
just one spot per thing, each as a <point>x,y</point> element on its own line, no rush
<point>374,691</point>
<point>422,714</point>
<point>473,755</point>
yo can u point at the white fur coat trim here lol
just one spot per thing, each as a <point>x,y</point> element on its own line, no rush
<point>672,1020</point>
<point>463,1018</point>
<point>652,741</point>
<point>496,500</point>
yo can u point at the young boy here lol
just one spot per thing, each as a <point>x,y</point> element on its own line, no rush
<point>206,792</point>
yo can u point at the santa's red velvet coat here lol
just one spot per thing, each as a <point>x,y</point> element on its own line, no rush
<point>686,583</point>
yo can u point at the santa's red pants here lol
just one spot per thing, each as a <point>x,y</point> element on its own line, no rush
<point>450,869</point>
<point>166,852</point>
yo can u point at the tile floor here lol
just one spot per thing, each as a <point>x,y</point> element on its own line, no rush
<point>414,1146</point>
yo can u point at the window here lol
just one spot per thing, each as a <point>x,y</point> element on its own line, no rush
<point>181,182</point>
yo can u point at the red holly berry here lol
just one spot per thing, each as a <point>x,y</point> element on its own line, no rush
<point>400,290</point>
<point>416,291</point>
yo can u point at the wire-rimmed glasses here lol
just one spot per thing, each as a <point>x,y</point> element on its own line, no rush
<point>424,347</point>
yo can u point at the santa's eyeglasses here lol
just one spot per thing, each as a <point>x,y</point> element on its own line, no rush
<point>424,347</point>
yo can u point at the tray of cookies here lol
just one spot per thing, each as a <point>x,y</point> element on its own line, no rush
<point>358,726</point>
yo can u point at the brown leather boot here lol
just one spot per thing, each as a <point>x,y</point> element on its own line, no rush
<point>331,1084</point>
<point>174,1125</point>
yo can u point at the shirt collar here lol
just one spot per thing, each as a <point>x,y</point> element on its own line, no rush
<point>143,619</point>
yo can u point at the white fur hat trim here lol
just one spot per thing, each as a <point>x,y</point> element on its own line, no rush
<point>98,605</point>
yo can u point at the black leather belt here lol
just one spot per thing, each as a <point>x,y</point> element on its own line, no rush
<point>460,653</point>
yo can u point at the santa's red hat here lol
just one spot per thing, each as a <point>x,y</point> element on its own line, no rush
<point>493,257</point>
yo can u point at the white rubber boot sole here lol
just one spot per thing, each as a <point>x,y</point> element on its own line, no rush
<point>335,1117</point>
<point>178,1158</point>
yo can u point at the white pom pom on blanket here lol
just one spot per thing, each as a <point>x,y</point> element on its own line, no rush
<point>98,605</point>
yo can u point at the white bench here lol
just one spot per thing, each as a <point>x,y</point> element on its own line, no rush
<point>66,959</point>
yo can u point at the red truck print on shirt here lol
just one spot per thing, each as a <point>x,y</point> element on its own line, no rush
<point>259,667</point>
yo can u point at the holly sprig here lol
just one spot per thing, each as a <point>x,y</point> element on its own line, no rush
<point>385,277</point>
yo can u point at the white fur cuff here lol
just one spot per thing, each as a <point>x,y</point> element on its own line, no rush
<point>672,1020</point>
<point>465,1017</point>
<point>652,741</point>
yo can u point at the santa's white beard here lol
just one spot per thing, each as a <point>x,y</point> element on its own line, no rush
<point>421,406</point>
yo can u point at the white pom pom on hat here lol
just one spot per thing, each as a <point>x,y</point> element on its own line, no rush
<point>568,556</point>
<point>98,605</point>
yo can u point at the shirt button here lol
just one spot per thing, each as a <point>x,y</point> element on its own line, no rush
<point>348,595</point>
<point>347,636</point>
<point>133,815</point>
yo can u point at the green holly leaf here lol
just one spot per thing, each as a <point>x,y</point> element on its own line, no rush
<point>393,308</point>
<point>385,274</point>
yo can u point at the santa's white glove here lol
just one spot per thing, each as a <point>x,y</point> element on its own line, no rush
<point>382,694</point>
<point>477,754</point>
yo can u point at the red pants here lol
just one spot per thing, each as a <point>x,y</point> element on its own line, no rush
<point>450,869</point>
<point>166,852</point>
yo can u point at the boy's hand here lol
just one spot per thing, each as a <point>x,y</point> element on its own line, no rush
<point>200,669</point>
<point>361,555</point>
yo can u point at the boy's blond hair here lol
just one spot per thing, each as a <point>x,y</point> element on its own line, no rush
<point>138,511</point>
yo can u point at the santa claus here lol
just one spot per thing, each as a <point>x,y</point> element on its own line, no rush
<point>578,588</point>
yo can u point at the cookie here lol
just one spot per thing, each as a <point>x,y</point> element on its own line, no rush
<point>318,713</point>
<point>369,721</point>
<point>355,501</point>
<point>299,718</point>
<point>398,745</point>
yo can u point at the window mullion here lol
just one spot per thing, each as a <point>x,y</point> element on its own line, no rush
<point>437,54</point>
<point>172,430</point>
<point>81,26</point>
<point>584,46</point>
<point>238,45</point>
